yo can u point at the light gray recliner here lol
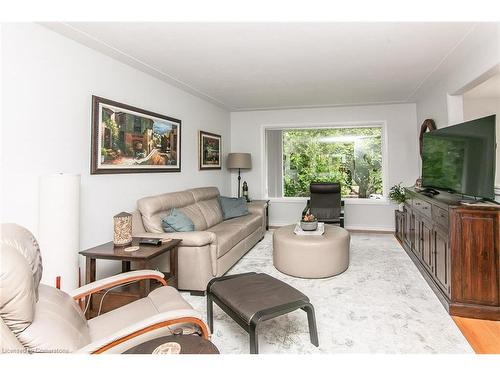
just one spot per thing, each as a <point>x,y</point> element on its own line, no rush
<point>40,318</point>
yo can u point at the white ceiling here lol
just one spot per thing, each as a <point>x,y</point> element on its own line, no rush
<point>489,89</point>
<point>245,66</point>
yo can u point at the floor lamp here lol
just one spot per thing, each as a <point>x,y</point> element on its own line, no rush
<point>239,161</point>
<point>59,229</point>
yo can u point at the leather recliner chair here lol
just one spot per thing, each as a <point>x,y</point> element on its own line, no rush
<point>39,318</point>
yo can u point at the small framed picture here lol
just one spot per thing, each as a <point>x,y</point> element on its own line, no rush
<point>209,150</point>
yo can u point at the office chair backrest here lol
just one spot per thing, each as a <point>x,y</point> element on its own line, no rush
<point>325,202</point>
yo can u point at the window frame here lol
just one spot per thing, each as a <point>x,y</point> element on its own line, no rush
<point>308,126</point>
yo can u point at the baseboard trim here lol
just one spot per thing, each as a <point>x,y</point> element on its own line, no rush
<point>362,228</point>
<point>356,228</point>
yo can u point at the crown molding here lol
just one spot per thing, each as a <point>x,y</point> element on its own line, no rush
<point>94,43</point>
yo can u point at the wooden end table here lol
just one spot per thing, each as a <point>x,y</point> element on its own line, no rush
<point>190,344</point>
<point>123,295</point>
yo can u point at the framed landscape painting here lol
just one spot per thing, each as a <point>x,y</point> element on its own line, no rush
<point>126,139</point>
<point>210,146</point>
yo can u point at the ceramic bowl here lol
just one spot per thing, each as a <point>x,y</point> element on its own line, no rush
<point>309,225</point>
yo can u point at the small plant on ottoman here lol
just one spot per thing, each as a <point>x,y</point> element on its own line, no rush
<point>309,222</point>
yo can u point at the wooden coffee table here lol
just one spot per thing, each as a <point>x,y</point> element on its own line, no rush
<point>125,294</point>
<point>190,344</point>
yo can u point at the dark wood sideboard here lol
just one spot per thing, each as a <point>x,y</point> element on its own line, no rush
<point>456,247</point>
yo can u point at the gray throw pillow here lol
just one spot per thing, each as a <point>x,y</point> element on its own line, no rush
<point>233,207</point>
<point>177,221</point>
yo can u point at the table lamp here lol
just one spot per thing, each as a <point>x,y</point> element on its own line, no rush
<point>239,161</point>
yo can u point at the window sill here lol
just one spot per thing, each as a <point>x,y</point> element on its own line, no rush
<point>362,201</point>
<point>348,201</point>
<point>288,200</point>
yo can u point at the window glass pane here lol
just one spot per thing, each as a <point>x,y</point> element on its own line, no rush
<point>351,156</point>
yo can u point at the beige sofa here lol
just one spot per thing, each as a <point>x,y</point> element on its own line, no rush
<point>215,245</point>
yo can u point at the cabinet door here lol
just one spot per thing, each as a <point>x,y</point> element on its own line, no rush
<point>399,225</point>
<point>442,260</point>
<point>409,234</point>
<point>476,247</point>
<point>417,228</point>
<point>413,238</point>
<point>407,226</point>
<point>426,244</point>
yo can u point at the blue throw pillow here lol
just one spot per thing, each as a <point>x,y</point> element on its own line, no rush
<point>233,207</point>
<point>177,221</point>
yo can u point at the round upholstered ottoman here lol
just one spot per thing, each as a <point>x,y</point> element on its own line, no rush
<point>311,257</point>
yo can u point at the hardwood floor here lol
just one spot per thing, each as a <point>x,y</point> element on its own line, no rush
<point>482,335</point>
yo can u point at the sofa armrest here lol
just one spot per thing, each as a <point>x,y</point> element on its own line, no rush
<point>257,207</point>
<point>137,224</point>
<point>196,238</point>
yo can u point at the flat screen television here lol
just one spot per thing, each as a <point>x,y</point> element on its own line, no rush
<point>461,158</point>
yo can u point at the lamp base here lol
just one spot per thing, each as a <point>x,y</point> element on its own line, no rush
<point>239,182</point>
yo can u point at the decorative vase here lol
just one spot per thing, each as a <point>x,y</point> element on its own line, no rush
<point>309,225</point>
<point>245,191</point>
<point>401,207</point>
<point>122,229</point>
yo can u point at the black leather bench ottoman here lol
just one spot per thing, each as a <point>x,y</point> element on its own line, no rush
<point>251,298</point>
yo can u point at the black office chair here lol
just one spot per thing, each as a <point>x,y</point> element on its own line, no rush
<point>325,203</point>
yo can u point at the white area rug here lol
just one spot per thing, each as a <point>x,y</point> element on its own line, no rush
<point>381,304</point>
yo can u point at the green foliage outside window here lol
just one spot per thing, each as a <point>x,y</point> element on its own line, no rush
<point>351,156</point>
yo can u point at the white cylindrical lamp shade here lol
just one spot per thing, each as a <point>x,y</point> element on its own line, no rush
<point>59,229</point>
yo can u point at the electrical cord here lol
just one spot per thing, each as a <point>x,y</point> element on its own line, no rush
<point>102,299</point>
<point>107,291</point>
<point>188,331</point>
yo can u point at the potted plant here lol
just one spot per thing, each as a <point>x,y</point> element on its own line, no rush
<point>309,222</point>
<point>398,194</point>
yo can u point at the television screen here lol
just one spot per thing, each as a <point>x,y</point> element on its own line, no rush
<point>461,158</point>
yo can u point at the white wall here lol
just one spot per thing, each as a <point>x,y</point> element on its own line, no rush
<point>400,165</point>
<point>47,84</point>
<point>478,53</point>
<point>480,107</point>
<point>469,63</point>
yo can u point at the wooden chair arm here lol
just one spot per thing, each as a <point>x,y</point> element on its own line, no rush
<point>117,280</point>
